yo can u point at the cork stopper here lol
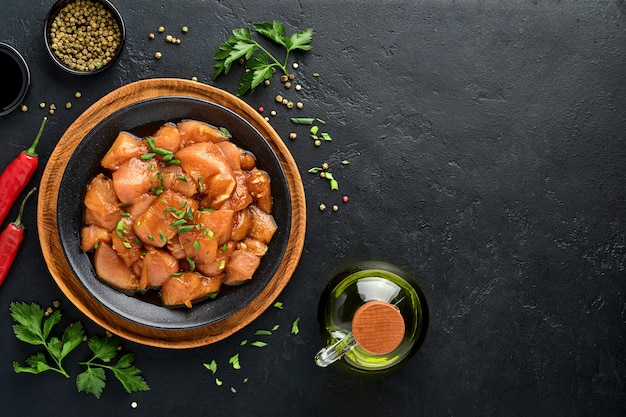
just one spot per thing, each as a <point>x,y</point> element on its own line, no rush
<point>378,327</point>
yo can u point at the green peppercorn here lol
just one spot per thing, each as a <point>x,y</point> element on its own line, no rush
<point>84,35</point>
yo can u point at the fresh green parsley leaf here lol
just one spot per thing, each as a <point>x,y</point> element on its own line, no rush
<point>31,327</point>
<point>260,63</point>
<point>93,379</point>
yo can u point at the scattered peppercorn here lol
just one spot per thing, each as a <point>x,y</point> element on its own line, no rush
<point>325,166</point>
<point>293,135</point>
<point>295,65</point>
<point>284,78</point>
<point>322,207</point>
<point>344,199</point>
<point>299,105</point>
<point>318,142</point>
<point>290,104</point>
<point>24,108</point>
<point>68,105</point>
<point>298,87</point>
<point>194,78</point>
<point>184,29</point>
<point>158,55</point>
<point>77,94</point>
<point>273,113</point>
<point>151,35</point>
<point>56,304</point>
<point>169,38</point>
<point>335,207</point>
<point>84,35</point>
<point>279,99</point>
<point>267,82</point>
<point>161,29</point>
<point>287,84</point>
<point>42,105</point>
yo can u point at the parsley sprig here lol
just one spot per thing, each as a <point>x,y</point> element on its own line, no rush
<point>35,327</point>
<point>260,63</point>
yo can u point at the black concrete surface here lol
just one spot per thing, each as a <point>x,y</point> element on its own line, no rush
<point>487,152</point>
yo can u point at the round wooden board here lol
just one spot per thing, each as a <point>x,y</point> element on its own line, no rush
<point>67,279</point>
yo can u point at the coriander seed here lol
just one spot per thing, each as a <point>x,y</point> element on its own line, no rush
<point>318,142</point>
<point>284,78</point>
<point>161,29</point>
<point>77,94</point>
<point>151,35</point>
<point>292,77</point>
<point>298,87</point>
<point>279,98</point>
<point>287,84</point>
<point>322,207</point>
<point>184,29</point>
<point>293,135</point>
<point>325,166</point>
<point>158,55</point>
<point>290,104</point>
<point>24,108</point>
<point>299,105</point>
<point>42,105</point>
<point>169,38</point>
<point>266,82</point>
<point>68,105</point>
<point>295,65</point>
<point>273,113</point>
<point>335,207</point>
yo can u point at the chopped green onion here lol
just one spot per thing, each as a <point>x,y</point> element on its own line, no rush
<point>325,136</point>
<point>127,245</point>
<point>212,366</point>
<point>278,305</point>
<point>191,262</point>
<point>258,344</point>
<point>234,361</point>
<point>295,329</point>
<point>302,120</point>
<point>262,333</point>
<point>147,156</point>
<point>186,228</point>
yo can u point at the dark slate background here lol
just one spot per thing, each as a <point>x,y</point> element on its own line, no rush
<point>487,149</point>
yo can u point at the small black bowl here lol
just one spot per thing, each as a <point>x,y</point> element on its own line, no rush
<point>143,118</point>
<point>17,79</point>
<point>49,22</point>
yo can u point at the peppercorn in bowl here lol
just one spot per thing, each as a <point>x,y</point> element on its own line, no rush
<point>146,314</point>
<point>84,37</point>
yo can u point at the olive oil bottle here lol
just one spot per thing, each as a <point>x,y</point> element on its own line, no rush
<point>373,317</point>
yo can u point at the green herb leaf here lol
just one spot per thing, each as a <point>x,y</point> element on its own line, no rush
<point>91,381</point>
<point>129,375</point>
<point>260,63</point>
<point>103,348</point>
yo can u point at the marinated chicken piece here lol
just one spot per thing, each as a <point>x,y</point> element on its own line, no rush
<point>195,131</point>
<point>242,221</point>
<point>140,205</point>
<point>125,146</point>
<point>125,243</point>
<point>102,207</point>
<point>134,178</point>
<point>253,245</point>
<point>218,222</point>
<point>157,225</point>
<point>200,245</point>
<point>241,267</point>
<point>232,153</point>
<point>167,138</point>
<point>207,165</point>
<point>217,266</point>
<point>157,267</point>
<point>258,184</point>
<point>176,179</point>
<point>91,235</point>
<point>263,225</point>
<point>112,269</point>
<point>241,197</point>
<point>188,287</point>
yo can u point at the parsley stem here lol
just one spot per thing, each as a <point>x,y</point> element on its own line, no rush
<point>281,66</point>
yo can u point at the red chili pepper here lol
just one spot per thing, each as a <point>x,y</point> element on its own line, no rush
<point>11,239</point>
<point>17,174</point>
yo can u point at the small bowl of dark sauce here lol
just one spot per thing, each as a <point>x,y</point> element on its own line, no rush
<point>16,79</point>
